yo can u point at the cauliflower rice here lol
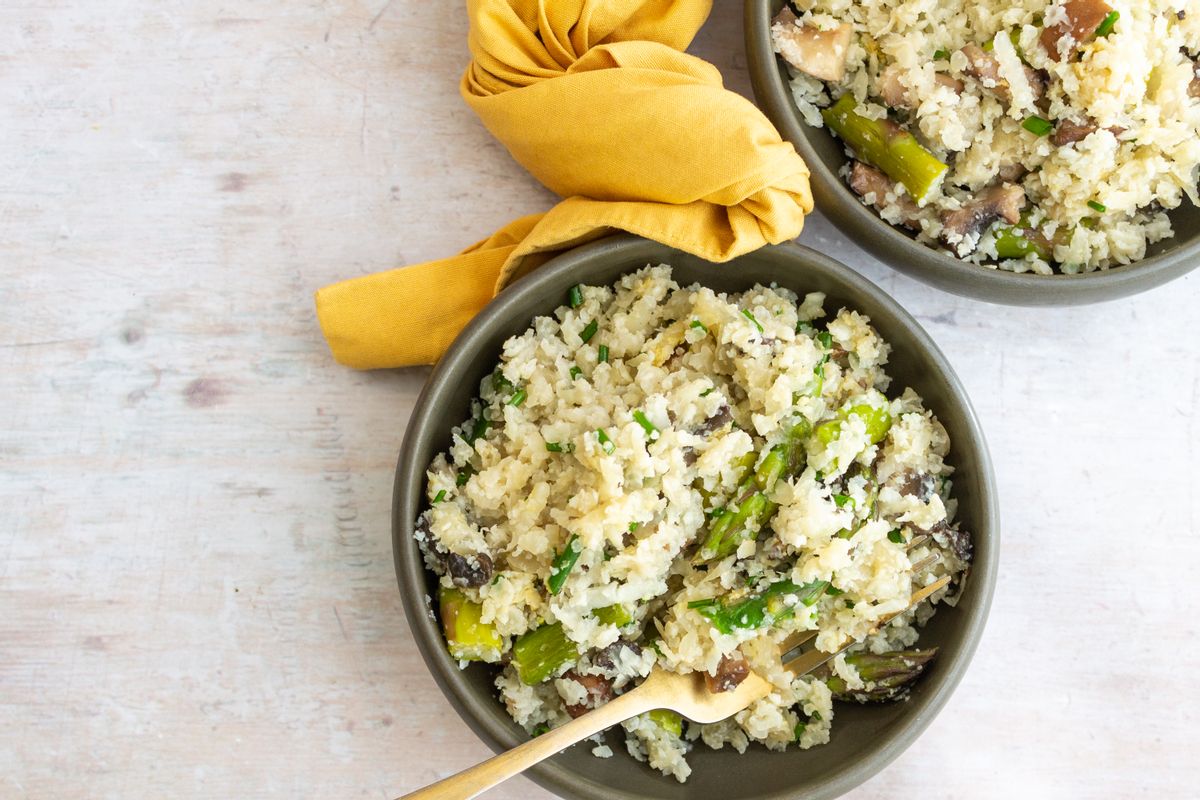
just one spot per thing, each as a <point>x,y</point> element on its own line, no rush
<point>1070,127</point>
<point>664,475</point>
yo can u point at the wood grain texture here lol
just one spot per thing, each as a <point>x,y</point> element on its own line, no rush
<point>196,587</point>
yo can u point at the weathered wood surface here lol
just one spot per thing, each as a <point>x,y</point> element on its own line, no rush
<point>196,588</point>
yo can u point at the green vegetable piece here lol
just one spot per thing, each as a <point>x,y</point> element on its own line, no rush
<point>764,608</point>
<point>941,55</point>
<point>748,315</point>
<point>440,496</point>
<point>699,325</point>
<point>575,372</point>
<point>542,653</point>
<point>563,563</point>
<point>467,637</point>
<point>1110,22</point>
<point>463,476</point>
<point>539,729</point>
<point>518,398</point>
<point>1013,241</point>
<point>602,354</point>
<point>1100,207</point>
<point>560,447</point>
<point>705,603</point>
<point>735,526</point>
<point>615,614</point>
<point>633,526</point>
<point>648,426</point>
<point>589,331</point>
<point>884,144</point>
<point>771,468</point>
<point>843,500</point>
<point>896,536</point>
<point>501,384</point>
<point>1038,126</point>
<point>606,444</point>
<point>479,428</point>
<point>575,296</point>
<point>668,720</point>
<point>887,675</point>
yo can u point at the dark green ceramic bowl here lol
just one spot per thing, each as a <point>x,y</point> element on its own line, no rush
<point>865,738</point>
<point>825,155</point>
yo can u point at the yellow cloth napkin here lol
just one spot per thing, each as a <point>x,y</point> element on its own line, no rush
<point>597,100</point>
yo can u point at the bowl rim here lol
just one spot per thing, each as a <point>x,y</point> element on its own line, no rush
<point>897,250</point>
<point>407,499</point>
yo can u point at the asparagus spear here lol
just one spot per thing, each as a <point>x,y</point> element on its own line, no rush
<point>467,637</point>
<point>888,675</point>
<point>877,419</point>
<point>751,509</point>
<point>884,144</point>
<point>542,652</point>
<point>666,719</point>
<point>615,614</point>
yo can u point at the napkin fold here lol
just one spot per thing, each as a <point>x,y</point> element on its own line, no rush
<point>596,99</point>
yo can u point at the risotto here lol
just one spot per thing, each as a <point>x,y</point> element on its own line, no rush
<point>1030,135</point>
<point>657,475</point>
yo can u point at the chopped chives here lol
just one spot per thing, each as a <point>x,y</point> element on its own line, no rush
<point>833,591</point>
<point>575,372</point>
<point>896,536</point>
<point>1092,204</point>
<point>803,325</point>
<point>602,353</point>
<point>941,55</point>
<point>826,339</point>
<point>463,476</point>
<point>440,496</point>
<point>710,601</point>
<point>716,512</point>
<point>843,500</point>
<point>501,383</point>
<point>575,296</point>
<point>539,729</point>
<point>563,563</point>
<point>699,325</point>
<point>646,424</point>
<point>708,391</point>
<point>633,526</point>
<point>606,444</point>
<point>1110,22</point>
<point>1037,125</point>
<point>750,316</point>
<point>517,398</point>
<point>559,447</point>
<point>589,331</point>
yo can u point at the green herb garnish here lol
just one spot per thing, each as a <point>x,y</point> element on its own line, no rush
<point>606,444</point>
<point>563,563</point>
<point>1037,125</point>
<point>750,316</point>
<point>1092,204</point>
<point>1110,22</point>
<point>647,425</point>
<point>575,296</point>
<point>589,331</point>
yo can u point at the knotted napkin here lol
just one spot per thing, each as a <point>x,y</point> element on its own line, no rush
<point>597,99</point>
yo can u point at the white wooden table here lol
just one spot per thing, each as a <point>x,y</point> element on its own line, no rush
<point>196,586</point>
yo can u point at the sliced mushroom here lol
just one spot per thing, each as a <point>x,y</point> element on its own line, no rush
<point>868,182</point>
<point>1083,17</point>
<point>1069,131</point>
<point>470,571</point>
<point>599,691</point>
<point>1194,86</point>
<point>1002,202</point>
<point>1011,173</point>
<point>732,670</point>
<point>714,423</point>
<point>896,95</point>
<point>608,658</point>
<point>985,67</point>
<point>920,485</point>
<point>809,49</point>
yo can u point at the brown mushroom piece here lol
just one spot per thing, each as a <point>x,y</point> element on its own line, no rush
<point>469,572</point>
<point>599,691</point>
<point>866,181</point>
<point>817,52</point>
<point>731,671</point>
<point>985,67</point>
<point>1083,17</point>
<point>1002,202</point>
<point>896,95</point>
<point>1194,86</point>
<point>714,423</point>
<point>1068,131</point>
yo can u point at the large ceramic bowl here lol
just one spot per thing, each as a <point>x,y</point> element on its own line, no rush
<point>865,738</point>
<point>825,155</point>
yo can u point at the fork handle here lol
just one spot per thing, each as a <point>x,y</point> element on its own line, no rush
<point>470,782</point>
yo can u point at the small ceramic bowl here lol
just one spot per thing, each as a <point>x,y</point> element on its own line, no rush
<point>825,155</point>
<point>864,738</point>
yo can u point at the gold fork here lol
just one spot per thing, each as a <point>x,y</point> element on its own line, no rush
<point>686,694</point>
